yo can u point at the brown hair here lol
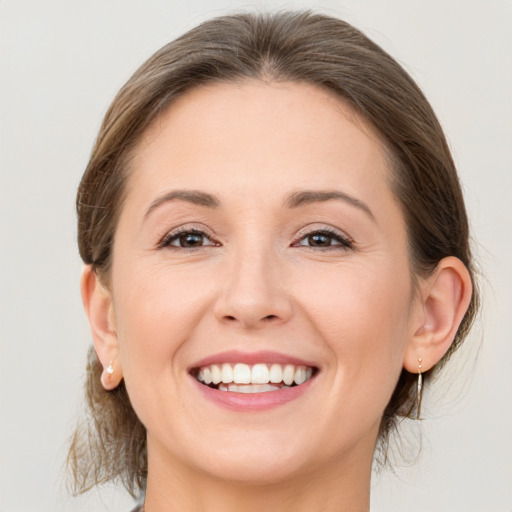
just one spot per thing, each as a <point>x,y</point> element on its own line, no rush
<point>289,46</point>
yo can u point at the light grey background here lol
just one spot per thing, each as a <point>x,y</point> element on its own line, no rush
<point>61,62</point>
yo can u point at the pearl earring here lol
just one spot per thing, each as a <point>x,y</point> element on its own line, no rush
<point>110,369</point>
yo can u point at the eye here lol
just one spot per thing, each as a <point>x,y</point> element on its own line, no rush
<point>187,239</point>
<point>324,239</point>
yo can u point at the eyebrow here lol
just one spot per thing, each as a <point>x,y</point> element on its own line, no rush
<point>306,197</point>
<point>190,196</point>
<point>294,200</point>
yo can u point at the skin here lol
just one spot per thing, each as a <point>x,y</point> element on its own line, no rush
<point>256,281</point>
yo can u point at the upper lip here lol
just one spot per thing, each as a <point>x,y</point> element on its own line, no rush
<point>250,358</point>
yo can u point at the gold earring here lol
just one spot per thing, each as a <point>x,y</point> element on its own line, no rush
<point>419,390</point>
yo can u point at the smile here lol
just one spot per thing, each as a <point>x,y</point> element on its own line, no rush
<point>257,378</point>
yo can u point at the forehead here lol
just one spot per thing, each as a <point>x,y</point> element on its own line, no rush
<point>255,136</point>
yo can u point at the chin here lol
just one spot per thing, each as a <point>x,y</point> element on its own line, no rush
<point>258,467</point>
<point>247,456</point>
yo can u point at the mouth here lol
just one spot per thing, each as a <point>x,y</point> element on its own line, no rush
<point>251,379</point>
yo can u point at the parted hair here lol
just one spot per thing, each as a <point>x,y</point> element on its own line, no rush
<point>109,443</point>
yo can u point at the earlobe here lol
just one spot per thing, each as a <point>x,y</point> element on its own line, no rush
<point>445,297</point>
<point>98,305</point>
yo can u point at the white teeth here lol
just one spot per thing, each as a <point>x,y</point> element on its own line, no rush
<point>276,373</point>
<point>300,375</point>
<point>259,378</point>
<point>227,373</point>
<point>288,374</point>
<point>259,374</point>
<point>207,376</point>
<point>242,374</point>
<point>250,388</point>
<point>216,374</point>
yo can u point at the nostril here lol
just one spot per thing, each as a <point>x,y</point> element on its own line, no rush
<point>232,318</point>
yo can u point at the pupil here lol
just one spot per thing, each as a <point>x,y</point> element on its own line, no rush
<point>319,240</point>
<point>190,240</point>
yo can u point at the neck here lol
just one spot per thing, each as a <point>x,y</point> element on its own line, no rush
<point>179,488</point>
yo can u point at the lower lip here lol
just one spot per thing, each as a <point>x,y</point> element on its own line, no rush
<point>246,402</point>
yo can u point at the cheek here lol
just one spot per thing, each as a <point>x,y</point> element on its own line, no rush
<point>362,314</point>
<point>157,311</point>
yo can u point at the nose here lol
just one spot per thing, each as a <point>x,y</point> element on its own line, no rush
<point>254,294</point>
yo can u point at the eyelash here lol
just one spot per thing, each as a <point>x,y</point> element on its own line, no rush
<point>343,241</point>
<point>175,235</point>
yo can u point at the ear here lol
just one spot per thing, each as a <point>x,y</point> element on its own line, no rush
<point>97,301</point>
<point>444,300</point>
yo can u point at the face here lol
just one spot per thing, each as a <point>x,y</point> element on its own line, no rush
<point>260,245</point>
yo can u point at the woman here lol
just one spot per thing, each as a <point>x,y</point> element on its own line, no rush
<point>277,258</point>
